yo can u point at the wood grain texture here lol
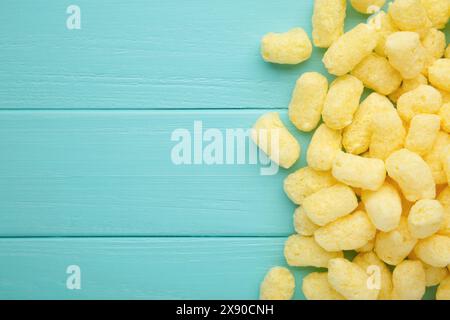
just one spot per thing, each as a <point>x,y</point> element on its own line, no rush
<point>148,54</point>
<point>142,268</point>
<point>110,173</point>
<point>156,268</point>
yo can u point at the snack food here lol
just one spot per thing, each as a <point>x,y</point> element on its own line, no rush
<point>443,291</point>
<point>291,47</point>
<point>425,218</point>
<point>350,280</point>
<point>444,113</point>
<point>350,49</point>
<point>423,99</point>
<point>434,250</point>
<point>377,74</point>
<point>356,137</point>
<point>323,148</point>
<point>392,153</point>
<point>316,287</point>
<point>438,11</point>
<point>270,134</point>
<point>406,53</point>
<point>278,284</point>
<point>439,74</point>
<point>388,134</point>
<point>367,6</point>
<point>410,15</point>
<point>384,25</point>
<point>329,204</point>
<point>301,251</point>
<point>435,156</point>
<point>302,224</point>
<point>306,181</point>
<point>409,281</point>
<point>348,168</point>
<point>307,101</point>
<point>347,233</point>
<point>422,133</point>
<point>412,174</point>
<point>328,21</point>
<point>384,207</point>
<point>368,261</point>
<point>394,246</point>
<point>342,101</point>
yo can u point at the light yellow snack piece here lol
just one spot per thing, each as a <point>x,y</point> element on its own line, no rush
<point>307,101</point>
<point>438,12</point>
<point>394,246</point>
<point>303,225</point>
<point>356,137</point>
<point>316,287</point>
<point>377,74</point>
<point>329,204</point>
<point>369,260</point>
<point>301,251</point>
<point>445,96</point>
<point>439,74</point>
<point>444,113</point>
<point>443,291</point>
<point>445,158</point>
<point>388,134</point>
<point>359,172</point>
<point>384,207</point>
<point>350,49</point>
<point>270,134</point>
<point>409,15</point>
<point>407,86</point>
<point>412,174</point>
<point>342,101</point>
<point>278,284</point>
<point>367,6</point>
<point>368,247</point>
<point>406,53</point>
<point>409,281</point>
<point>385,27</point>
<point>425,218</point>
<point>434,275</point>
<point>290,47</point>
<point>434,250</point>
<point>347,233</point>
<point>434,44</point>
<point>350,280</point>
<point>306,181</point>
<point>444,199</point>
<point>435,156</point>
<point>323,148</point>
<point>406,205</point>
<point>422,134</point>
<point>328,21</point>
<point>423,99</point>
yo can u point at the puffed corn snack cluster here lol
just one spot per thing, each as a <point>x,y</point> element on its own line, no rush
<point>378,168</point>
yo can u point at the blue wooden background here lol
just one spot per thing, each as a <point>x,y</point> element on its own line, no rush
<point>86,176</point>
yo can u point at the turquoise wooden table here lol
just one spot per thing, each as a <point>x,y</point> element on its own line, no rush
<point>91,203</point>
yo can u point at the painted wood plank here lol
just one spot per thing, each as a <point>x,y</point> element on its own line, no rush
<point>103,173</point>
<point>148,54</point>
<point>141,268</point>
